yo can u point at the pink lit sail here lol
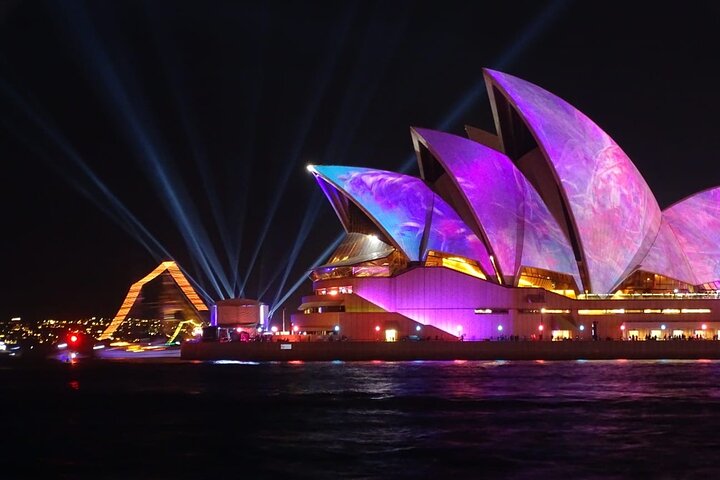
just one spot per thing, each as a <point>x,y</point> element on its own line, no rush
<point>696,224</point>
<point>611,207</point>
<point>403,207</point>
<point>666,257</point>
<point>519,227</point>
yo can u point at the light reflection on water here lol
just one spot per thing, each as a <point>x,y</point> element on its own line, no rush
<point>601,419</point>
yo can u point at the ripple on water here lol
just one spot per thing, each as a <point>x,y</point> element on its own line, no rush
<point>577,419</point>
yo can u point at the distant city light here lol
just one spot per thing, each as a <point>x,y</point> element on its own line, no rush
<point>234,362</point>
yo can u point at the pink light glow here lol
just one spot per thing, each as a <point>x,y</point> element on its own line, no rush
<point>436,289</point>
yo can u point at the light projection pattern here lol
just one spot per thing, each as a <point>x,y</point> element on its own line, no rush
<point>519,227</point>
<point>696,224</point>
<point>177,275</point>
<point>666,257</point>
<point>615,214</point>
<point>404,207</point>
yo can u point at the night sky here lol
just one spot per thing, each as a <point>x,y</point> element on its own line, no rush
<point>133,131</point>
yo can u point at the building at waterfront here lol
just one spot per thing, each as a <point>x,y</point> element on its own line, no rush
<point>542,230</point>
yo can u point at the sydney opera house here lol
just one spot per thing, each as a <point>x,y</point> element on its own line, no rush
<point>542,230</point>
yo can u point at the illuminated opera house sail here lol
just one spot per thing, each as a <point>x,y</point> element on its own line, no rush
<point>545,229</point>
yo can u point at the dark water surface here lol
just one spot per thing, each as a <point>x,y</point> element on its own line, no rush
<point>170,419</point>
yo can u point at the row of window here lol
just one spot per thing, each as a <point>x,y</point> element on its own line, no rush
<point>334,290</point>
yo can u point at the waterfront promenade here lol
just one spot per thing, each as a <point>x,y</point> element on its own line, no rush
<point>439,350</point>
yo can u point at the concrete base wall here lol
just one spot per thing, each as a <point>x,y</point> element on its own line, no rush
<point>398,351</point>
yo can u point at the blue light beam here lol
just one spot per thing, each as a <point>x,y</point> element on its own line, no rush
<point>114,208</point>
<point>157,166</point>
<point>529,34</point>
<point>305,228</point>
<point>305,274</point>
<point>306,123</point>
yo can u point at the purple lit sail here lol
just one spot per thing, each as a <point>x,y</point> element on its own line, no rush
<point>615,214</point>
<point>666,257</point>
<point>519,227</point>
<point>696,224</point>
<point>544,244</point>
<point>403,207</point>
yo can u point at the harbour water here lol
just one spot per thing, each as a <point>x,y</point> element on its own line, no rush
<point>166,418</point>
